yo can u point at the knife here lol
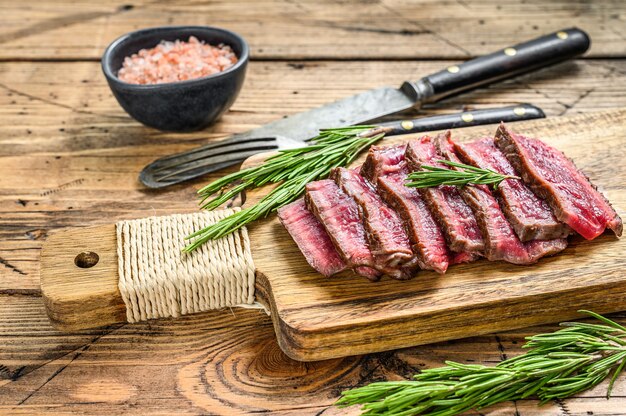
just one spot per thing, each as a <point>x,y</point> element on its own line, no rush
<point>368,106</point>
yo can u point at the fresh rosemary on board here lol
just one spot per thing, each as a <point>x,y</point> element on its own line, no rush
<point>432,176</point>
<point>294,168</point>
<point>557,365</point>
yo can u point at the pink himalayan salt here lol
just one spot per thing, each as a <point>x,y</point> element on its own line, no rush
<point>176,61</point>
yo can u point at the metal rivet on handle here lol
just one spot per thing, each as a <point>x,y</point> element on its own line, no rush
<point>520,111</point>
<point>562,35</point>
<point>510,52</point>
<point>407,124</point>
<point>467,117</point>
<point>453,69</point>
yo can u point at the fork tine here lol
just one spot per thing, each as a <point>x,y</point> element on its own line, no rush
<point>195,154</point>
<point>203,162</point>
<point>208,158</point>
<point>183,158</point>
<point>148,179</point>
<point>238,138</point>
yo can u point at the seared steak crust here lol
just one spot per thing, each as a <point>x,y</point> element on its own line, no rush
<point>311,238</point>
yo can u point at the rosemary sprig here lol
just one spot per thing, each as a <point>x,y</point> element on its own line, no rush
<point>557,365</point>
<point>464,175</point>
<point>292,168</point>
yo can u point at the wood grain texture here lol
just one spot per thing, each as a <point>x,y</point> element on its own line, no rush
<point>306,29</point>
<point>317,318</point>
<point>220,363</point>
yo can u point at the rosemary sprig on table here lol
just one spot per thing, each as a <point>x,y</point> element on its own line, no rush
<point>432,176</point>
<point>293,168</point>
<point>557,365</point>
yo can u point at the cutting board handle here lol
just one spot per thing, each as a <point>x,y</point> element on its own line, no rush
<point>81,295</point>
<point>80,272</point>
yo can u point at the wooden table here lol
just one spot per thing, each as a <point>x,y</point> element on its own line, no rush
<point>70,156</point>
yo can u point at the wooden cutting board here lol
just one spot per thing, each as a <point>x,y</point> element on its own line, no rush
<point>317,318</point>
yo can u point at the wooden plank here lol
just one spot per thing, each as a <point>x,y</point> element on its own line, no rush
<point>319,318</point>
<point>69,155</point>
<point>312,29</point>
<point>218,362</point>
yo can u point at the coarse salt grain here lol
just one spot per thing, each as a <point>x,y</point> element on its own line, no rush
<point>176,61</point>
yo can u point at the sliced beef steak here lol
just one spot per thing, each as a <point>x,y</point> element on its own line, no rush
<point>386,167</point>
<point>339,215</point>
<point>529,215</point>
<point>555,178</point>
<point>427,239</point>
<point>387,238</point>
<point>501,242</point>
<point>445,202</point>
<point>311,238</point>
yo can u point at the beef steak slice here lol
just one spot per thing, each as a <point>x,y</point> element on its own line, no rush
<point>339,215</point>
<point>311,238</point>
<point>384,160</point>
<point>555,178</point>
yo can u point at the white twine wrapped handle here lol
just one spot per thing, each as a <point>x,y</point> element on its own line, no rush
<point>158,280</point>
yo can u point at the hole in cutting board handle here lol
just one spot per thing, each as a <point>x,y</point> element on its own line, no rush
<point>86,259</point>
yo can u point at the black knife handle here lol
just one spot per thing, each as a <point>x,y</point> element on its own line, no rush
<point>543,51</point>
<point>464,119</point>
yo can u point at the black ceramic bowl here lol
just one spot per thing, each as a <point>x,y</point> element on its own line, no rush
<point>176,106</point>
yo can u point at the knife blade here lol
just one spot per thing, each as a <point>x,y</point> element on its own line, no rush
<point>374,104</point>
